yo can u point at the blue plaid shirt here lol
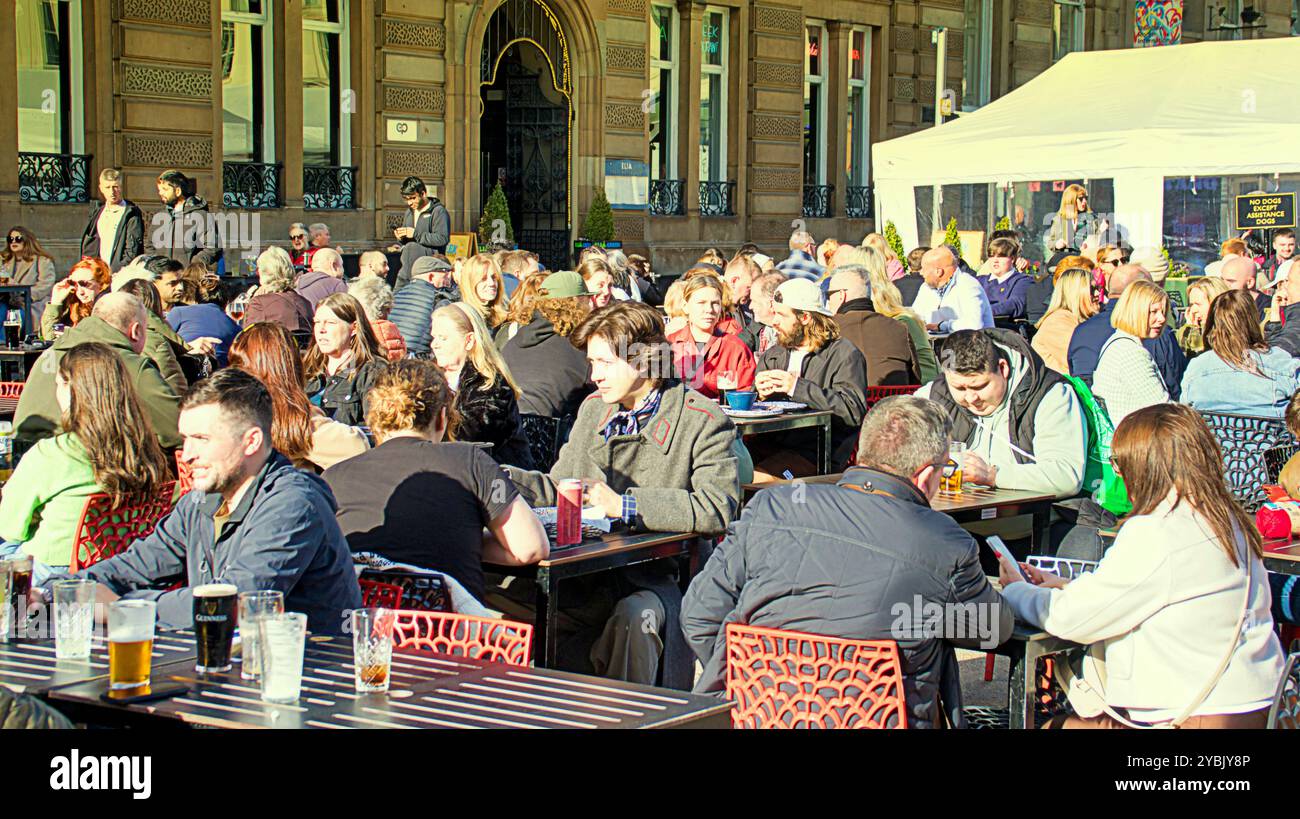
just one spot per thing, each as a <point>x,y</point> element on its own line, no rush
<point>629,422</point>
<point>801,266</point>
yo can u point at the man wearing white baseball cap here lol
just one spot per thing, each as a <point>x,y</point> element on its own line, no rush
<point>810,364</point>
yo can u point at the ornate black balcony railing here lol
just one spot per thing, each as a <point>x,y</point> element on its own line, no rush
<point>329,187</point>
<point>53,177</point>
<point>858,202</point>
<point>667,197</point>
<point>817,201</point>
<point>717,198</point>
<point>251,184</point>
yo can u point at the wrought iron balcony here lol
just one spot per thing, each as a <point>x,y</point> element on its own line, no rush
<point>667,197</point>
<point>858,202</point>
<point>817,201</point>
<point>53,177</point>
<point>329,187</point>
<point>717,198</point>
<point>252,185</point>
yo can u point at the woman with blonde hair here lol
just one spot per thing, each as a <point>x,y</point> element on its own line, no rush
<point>1074,299</point>
<point>487,397</point>
<point>894,267</point>
<point>482,288</point>
<point>344,359</point>
<point>887,301</point>
<point>72,299</point>
<point>1074,221</point>
<point>826,250</point>
<point>1127,379</point>
<point>1200,293</point>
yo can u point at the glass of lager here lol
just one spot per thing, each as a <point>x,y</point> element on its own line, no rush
<point>130,643</point>
<point>214,625</point>
<point>950,484</point>
<point>74,618</point>
<point>253,605</point>
<point>282,638</point>
<point>372,648</point>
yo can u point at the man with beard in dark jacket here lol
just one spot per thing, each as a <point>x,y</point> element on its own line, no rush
<point>865,559</point>
<point>115,232</point>
<point>550,371</point>
<point>185,229</point>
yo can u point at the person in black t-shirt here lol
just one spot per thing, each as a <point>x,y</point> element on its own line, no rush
<point>416,499</point>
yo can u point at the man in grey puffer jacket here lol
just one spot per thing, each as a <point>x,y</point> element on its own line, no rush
<point>866,559</point>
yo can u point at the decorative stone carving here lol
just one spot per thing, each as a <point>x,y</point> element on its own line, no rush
<point>393,220</point>
<point>424,164</point>
<point>630,227</point>
<point>151,80</point>
<point>423,99</point>
<point>904,38</point>
<point>626,59</point>
<point>767,228</point>
<point>925,90</point>
<point>783,75</point>
<point>166,152</point>
<point>415,35</point>
<point>789,180</point>
<point>904,89</point>
<point>621,117</point>
<point>774,127</point>
<point>197,13</point>
<point>777,19</point>
<point>628,8</point>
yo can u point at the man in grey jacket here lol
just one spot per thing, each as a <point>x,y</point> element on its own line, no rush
<point>866,559</point>
<point>655,455</point>
<point>251,520</point>
<point>425,230</point>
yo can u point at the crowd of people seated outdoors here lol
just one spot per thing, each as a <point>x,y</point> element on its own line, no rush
<point>337,418</point>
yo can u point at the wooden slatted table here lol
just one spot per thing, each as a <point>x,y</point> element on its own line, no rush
<point>29,666</point>
<point>426,691</point>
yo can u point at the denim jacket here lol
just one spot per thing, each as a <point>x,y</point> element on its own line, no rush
<point>1210,384</point>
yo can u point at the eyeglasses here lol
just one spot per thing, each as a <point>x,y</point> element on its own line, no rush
<point>81,282</point>
<point>830,293</point>
<point>16,240</point>
<point>1121,260</point>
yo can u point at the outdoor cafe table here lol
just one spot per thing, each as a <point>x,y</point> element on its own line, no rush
<point>819,420</point>
<point>1282,555</point>
<point>29,666</point>
<point>1028,644</point>
<point>427,690</point>
<point>612,551</point>
<point>975,503</point>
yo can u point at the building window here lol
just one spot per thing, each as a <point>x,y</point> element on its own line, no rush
<point>1295,18</point>
<point>325,135</point>
<point>663,93</point>
<point>858,160</point>
<point>977,60</point>
<point>246,89</point>
<point>49,59</point>
<point>714,55</point>
<point>1068,20</point>
<point>814,104</point>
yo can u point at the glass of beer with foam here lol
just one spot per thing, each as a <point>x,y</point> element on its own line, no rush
<point>130,643</point>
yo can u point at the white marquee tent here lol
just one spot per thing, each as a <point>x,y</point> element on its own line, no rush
<point>1132,115</point>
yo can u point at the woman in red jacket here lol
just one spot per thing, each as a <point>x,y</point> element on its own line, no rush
<point>702,350</point>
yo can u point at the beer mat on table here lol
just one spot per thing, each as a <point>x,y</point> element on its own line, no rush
<point>783,406</point>
<point>592,518</point>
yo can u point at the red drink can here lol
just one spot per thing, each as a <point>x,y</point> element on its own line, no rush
<point>568,513</point>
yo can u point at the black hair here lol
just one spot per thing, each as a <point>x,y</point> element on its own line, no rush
<point>159,265</point>
<point>146,292</point>
<point>412,185</point>
<point>238,394</point>
<point>969,352</point>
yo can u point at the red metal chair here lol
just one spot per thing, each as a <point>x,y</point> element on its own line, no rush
<point>875,394</point>
<point>10,392</point>
<point>787,679</point>
<point>380,595</point>
<point>106,530</point>
<point>464,635</point>
<point>184,476</point>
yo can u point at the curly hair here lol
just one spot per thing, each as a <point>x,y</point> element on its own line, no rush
<point>524,302</point>
<point>566,314</point>
<point>411,395</point>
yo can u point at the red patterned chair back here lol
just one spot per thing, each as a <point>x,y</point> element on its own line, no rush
<point>106,530</point>
<point>10,392</point>
<point>463,635</point>
<point>184,476</point>
<point>786,679</point>
<point>376,595</point>
<point>875,394</point>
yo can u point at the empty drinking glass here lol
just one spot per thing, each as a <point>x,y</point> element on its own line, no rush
<point>282,639</point>
<point>74,618</point>
<point>372,648</point>
<point>252,606</point>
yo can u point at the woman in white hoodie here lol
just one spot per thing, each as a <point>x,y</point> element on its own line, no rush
<point>1180,603</point>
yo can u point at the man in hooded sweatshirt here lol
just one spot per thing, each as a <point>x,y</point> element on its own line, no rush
<point>550,371</point>
<point>184,230</point>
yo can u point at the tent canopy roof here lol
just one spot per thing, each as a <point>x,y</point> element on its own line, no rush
<point>1188,110</point>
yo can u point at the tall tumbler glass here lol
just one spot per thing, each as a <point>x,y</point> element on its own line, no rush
<point>283,638</point>
<point>372,648</point>
<point>20,583</point>
<point>254,605</point>
<point>130,643</point>
<point>74,618</point>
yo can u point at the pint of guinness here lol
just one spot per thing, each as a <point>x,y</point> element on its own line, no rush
<point>215,607</point>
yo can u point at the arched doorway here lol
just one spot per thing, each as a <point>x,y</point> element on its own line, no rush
<point>525,125</point>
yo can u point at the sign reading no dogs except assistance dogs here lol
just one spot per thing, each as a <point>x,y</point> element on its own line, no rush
<point>1265,210</point>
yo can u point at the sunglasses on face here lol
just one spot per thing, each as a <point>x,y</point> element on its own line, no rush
<point>82,282</point>
<point>1121,260</point>
<point>16,240</point>
<point>297,235</point>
